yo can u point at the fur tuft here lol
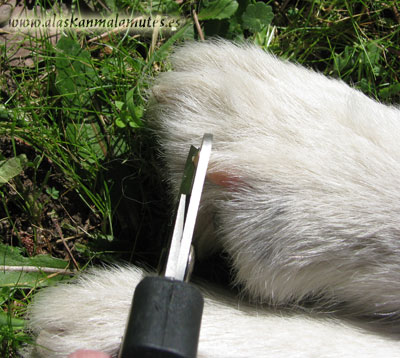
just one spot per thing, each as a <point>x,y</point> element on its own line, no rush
<point>91,313</point>
<point>313,206</point>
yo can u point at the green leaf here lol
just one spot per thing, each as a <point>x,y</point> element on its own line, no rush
<point>344,60</point>
<point>4,113</point>
<point>133,123</point>
<point>12,256</point>
<point>389,91</point>
<point>139,110</point>
<point>170,7</point>
<point>130,104</point>
<point>6,319</point>
<point>364,85</point>
<point>119,104</point>
<point>371,56</point>
<point>135,111</point>
<point>218,9</point>
<point>185,32</point>
<point>10,168</point>
<point>120,123</point>
<point>75,74</point>
<point>257,16</point>
<point>53,192</point>
<point>86,138</point>
<point>111,5</point>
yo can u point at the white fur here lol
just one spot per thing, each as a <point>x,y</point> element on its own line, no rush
<point>92,314</point>
<point>313,208</point>
<point>310,211</point>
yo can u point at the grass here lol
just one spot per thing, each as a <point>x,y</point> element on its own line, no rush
<point>79,172</point>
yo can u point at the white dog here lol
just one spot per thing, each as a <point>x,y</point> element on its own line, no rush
<point>303,195</point>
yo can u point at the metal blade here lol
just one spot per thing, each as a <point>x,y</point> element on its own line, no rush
<point>190,195</point>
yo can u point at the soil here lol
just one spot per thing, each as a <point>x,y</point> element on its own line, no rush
<point>62,226</point>
<point>142,217</point>
<point>36,229</point>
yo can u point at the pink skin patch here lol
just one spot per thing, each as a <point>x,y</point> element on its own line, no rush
<point>84,353</point>
<point>225,180</point>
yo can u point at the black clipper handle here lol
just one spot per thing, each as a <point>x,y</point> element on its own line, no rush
<point>164,321</point>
